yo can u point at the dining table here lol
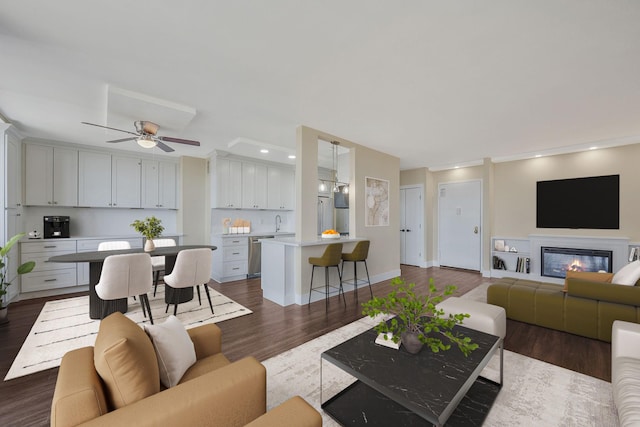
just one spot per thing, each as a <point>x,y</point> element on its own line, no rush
<point>98,306</point>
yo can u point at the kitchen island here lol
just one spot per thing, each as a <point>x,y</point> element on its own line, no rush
<point>285,259</point>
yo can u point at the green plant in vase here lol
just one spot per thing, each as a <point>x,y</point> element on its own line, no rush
<point>5,279</point>
<point>151,228</point>
<point>417,320</point>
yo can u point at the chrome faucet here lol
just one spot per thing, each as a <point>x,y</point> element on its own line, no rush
<point>278,222</point>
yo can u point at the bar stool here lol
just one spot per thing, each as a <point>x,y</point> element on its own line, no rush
<point>359,254</point>
<point>330,258</point>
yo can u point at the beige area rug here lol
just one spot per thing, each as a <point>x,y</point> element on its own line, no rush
<point>534,393</point>
<point>65,325</point>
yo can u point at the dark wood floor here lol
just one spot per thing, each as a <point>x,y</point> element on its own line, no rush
<point>272,329</point>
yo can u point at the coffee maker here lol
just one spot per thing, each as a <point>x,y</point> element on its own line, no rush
<point>56,227</point>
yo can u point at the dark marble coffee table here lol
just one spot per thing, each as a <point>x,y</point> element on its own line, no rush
<point>395,388</point>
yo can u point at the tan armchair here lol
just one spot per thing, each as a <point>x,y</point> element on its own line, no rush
<point>213,391</point>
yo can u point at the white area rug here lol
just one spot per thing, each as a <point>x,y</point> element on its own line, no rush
<point>65,325</point>
<point>534,393</point>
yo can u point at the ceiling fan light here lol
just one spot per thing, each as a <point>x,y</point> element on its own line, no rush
<point>146,142</point>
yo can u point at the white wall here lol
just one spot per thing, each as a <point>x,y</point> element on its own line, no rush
<point>87,222</point>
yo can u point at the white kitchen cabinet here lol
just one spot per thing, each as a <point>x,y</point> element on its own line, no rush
<point>227,185</point>
<point>254,186</point>
<point>159,184</point>
<point>280,188</point>
<point>231,259</point>
<point>47,275</point>
<point>107,180</point>
<point>51,176</point>
<point>13,193</point>
<point>94,179</point>
<point>125,182</point>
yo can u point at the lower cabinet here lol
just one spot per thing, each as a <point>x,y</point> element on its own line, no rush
<point>47,275</point>
<point>231,259</point>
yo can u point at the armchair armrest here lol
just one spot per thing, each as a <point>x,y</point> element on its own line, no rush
<point>207,339</point>
<point>602,291</point>
<point>625,339</point>
<point>78,396</point>
<point>294,412</point>
<point>230,396</point>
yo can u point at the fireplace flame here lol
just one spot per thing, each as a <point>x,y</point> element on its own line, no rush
<point>575,265</point>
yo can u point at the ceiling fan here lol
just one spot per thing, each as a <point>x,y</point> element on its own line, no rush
<point>146,135</point>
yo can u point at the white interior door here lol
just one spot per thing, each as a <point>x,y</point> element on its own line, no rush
<point>459,220</point>
<point>411,226</point>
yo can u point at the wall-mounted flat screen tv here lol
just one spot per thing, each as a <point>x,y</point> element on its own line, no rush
<point>592,202</point>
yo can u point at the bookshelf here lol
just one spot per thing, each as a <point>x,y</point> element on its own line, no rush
<point>510,257</point>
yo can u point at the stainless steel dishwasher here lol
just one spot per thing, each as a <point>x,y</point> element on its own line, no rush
<point>255,253</point>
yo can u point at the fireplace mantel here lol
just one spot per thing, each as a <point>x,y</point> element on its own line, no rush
<point>531,247</point>
<point>618,245</point>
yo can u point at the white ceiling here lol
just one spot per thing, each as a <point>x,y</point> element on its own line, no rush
<point>435,83</point>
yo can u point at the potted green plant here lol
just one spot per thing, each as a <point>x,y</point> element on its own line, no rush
<point>151,228</point>
<point>5,278</point>
<point>417,320</point>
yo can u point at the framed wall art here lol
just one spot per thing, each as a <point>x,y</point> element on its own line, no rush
<point>376,202</point>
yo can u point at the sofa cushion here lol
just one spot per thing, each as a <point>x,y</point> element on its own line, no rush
<point>627,275</point>
<point>126,361</point>
<point>174,349</point>
<point>205,365</point>
<point>586,275</point>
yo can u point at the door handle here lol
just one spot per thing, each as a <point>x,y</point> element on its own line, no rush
<point>475,230</point>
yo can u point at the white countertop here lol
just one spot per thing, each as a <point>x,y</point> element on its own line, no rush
<point>291,241</point>
<point>257,233</point>
<point>26,239</point>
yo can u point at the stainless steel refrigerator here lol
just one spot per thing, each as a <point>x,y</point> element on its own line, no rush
<point>325,213</point>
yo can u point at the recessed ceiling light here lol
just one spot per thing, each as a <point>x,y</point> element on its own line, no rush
<point>593,148</point>
<point>264,151</point>
<point>538,155</point>
<point>291,156</point>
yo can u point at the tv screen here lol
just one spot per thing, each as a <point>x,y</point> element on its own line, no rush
<point>592,202</point>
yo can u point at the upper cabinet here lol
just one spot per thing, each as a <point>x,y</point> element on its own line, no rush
<point>125,182</point>
<point>94,189</point>
<point>243,184</point>
<point>94,178</point>
<point>51,176</point>
<point>227,188</point>
<point>254,186</point>
<point>159,184</point>
<point>13,193</point>
<point>281,188</point>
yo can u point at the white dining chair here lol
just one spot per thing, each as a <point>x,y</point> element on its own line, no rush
<point>192,269</point>
<point>124,276</point>
<point>158,262</point>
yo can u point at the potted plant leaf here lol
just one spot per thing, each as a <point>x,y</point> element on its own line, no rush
<point>417,320</point>
<point>6,277</point>
<point>151,228</point>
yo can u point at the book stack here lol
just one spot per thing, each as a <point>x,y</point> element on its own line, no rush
<point>523,265</point>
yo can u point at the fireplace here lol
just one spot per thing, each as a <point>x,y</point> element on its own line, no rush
<point>557,261</point>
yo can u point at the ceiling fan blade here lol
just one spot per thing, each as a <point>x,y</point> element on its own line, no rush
<point>164,147</point>
<point>107,127</point>
<point>179,140</point>
<point>123,139</point>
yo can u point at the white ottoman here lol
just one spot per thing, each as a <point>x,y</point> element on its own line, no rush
<point>487,318</point>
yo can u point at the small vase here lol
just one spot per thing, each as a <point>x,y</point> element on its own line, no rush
<point>411,342</point>
<point>149,245</point>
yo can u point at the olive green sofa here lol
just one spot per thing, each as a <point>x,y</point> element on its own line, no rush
<point>588,308</point>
